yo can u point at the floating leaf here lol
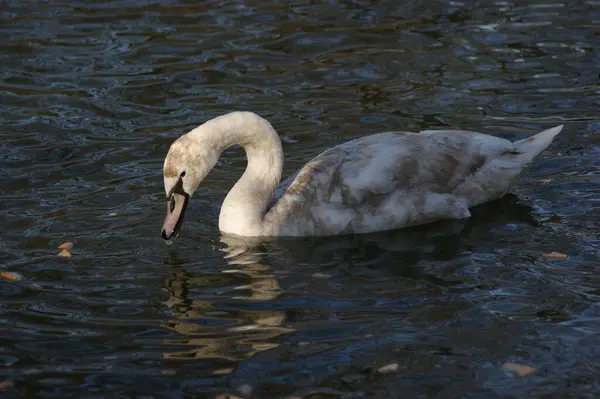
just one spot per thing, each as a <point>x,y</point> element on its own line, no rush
<point>65,253</point>
<point>11,276</point>
<point>388,368</point>
<point>522,370</point>
<point>224,371</point>
<point>66,245</point>
<point>555,255</point>
<point>6,385</point>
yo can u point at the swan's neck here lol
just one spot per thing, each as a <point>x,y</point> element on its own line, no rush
<point>244,207</point>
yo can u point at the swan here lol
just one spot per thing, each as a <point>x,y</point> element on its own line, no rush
<point>379,182</point>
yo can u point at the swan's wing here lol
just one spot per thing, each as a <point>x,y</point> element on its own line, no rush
<point>431,161</point>
<point>383,181</point>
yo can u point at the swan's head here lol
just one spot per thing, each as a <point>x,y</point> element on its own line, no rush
<point>186,165</point>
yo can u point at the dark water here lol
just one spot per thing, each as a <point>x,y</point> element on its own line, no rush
<point>93,93</point>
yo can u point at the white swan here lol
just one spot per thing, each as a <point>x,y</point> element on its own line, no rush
<point>379,182</point>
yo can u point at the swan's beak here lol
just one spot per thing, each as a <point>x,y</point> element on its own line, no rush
<point>175,211</point>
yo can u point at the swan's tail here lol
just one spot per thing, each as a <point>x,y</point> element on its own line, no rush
<point>524,151</point>
<point>495,178</point>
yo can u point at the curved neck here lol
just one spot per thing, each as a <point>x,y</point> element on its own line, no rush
<point>244,207</point>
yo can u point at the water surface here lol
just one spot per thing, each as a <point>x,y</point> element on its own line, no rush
<point>93,93</point>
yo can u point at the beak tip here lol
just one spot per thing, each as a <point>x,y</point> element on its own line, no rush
<point>175,212</point>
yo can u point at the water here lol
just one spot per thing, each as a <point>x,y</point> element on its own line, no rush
<point>93,93</point>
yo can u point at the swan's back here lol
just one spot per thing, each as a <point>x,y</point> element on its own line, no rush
<point>397,179</point>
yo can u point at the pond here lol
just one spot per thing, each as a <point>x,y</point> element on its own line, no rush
<point>92,95</point>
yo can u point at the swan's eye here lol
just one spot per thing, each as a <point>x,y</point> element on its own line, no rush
<point>182,174</point>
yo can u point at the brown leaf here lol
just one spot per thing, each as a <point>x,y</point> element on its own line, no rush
<point>11,276</point>
<point>65,253</point>
<point>6,385</point>
<point>388,368</point>
<point>522,370</point>
<point>66,245</point>
<point>555,255</point>
<point>224,371</point>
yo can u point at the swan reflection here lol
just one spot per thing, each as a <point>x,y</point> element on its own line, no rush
<point>235,328</point>
<point>235,313</point>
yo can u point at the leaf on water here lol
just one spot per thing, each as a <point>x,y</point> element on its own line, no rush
<point>11,276</point>
<point>522,370</point>
<point>555,255</point>
<point>388,368</point>
<point>6,385</point>
<point>65,253</point>
<point>224,371</point>
<point>66,245</point>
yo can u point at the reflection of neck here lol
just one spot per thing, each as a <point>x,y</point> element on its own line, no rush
<point>200,339</point>
<point>247,256</point>
<point>244,207</point>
